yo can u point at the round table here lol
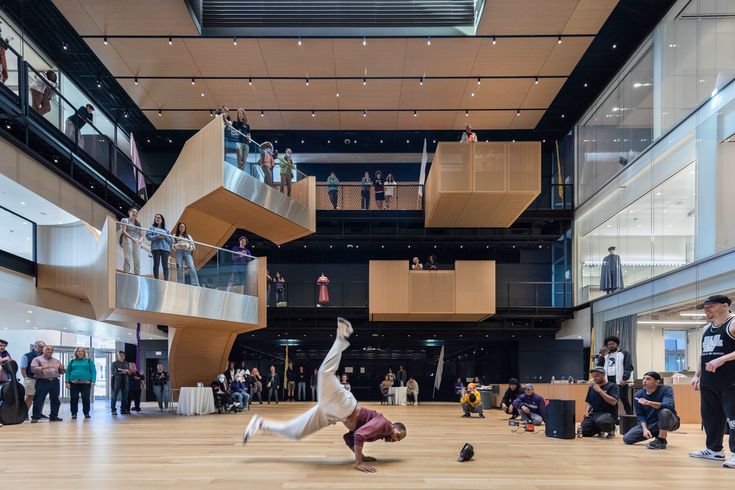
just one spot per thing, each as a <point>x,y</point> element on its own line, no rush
<point>195,401</point>
<point>399,394</point>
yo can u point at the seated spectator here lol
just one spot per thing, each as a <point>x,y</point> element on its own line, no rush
<point>431,265</point>
<point>416,265</point>
<point>223,401</point>
<point>161,241</point>
<point>530,406</point>
<point>477,381</point>
<point>230,372</point>
<point>343,381</point>
<point>385,387</point>
<point>655,411</point>
<point>513,392</point>
<point>239,392</point>
<point>412,391</point>
<point>391,376</point>
<point>601,406</point>
<point>458,387</point>
<point>471,401</point>
<point>243,371</point>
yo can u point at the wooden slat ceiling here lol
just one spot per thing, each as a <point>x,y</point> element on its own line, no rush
<point>441,103</point>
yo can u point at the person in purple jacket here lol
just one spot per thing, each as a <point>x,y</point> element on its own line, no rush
<point>531,406</point>
<point>335,404</point>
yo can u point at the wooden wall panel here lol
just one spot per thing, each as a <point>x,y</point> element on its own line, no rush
<point>524,169</point>
<point>475,286</point>
<point>431,292</point>
<point>389,286</point>
<point>489,167</point>
<point>198,355</point>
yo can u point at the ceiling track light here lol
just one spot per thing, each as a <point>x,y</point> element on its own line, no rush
<point>99,83</point>
<point>202,94</point>
<point>193,81</point>
<point>337,94</point>
<point>135,80</point>
<point>495,41</point>
<point>313,114</point>
<point>307,80</point>
<point>535,82</point>
<point>466,113</point>
<point>364,81</point>
<point>250,81</point>
<point>364,113</point>
<point>64,45</point>
<point>234,40</point>
<point>262,114</point>
<point>414,113</point>
<point>478,81</point>
<point>558,40</point>
<point>428,41</point>
<point>160,113</point>
<point>125,114</point>
<point>364,41</point>
<point>421,80</point>
<point>105,40</point>
<point>518,112</point>
<point>170,41</point>
<point>211,113</point>
<point>299,42</point>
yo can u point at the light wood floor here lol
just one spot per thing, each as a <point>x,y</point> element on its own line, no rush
<point>161,451</point>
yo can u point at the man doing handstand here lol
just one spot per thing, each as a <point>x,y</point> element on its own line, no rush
<point>335,404</point>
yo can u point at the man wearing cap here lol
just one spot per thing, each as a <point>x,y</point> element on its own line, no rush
<point>601,406</point>
<point>654,409</point>
<point>471,402</point>
<point>715,378</point>
<point>618,367</point>
<point>532,407</point>
<point>513,392</point>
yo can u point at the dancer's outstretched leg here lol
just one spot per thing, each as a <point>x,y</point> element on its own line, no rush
<point>334,402</point>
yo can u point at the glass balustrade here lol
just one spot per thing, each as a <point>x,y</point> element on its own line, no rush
<point>151,253</point>
<point>260,160</point>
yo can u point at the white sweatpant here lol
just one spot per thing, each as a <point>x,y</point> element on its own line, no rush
<point>334,403</point>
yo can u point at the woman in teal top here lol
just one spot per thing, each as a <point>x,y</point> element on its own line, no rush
<point>333,188</point>
<point>81,375</point>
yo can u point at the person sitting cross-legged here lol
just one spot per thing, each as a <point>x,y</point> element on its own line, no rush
<point>471,402</point>
<point>655,411</point>
<point>601,406</point>
<point>531,406</point>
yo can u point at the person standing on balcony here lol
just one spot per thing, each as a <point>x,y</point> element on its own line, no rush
<point>76,121</point>
<point>131,236</point>
<point>286,164</point>
<point>184,246</point>
<point>416,265</point>
<point>266,162</point>
<point>240,263</point>
<point>379,185</point>
<point>333,188</point>
<point>280,289</point>
<point>468,135</point>
<point>390,190</point>
<point>42,91</point>
<point>431,265</point>
<point>365,185</point>
<point>243,138</point>
<point>161,241</point>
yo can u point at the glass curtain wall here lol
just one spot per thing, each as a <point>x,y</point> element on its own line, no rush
<point>661,198</point>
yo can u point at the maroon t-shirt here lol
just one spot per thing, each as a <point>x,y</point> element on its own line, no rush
<point>371,426</point>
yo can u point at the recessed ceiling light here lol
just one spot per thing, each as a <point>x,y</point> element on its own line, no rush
<point>30,311</point>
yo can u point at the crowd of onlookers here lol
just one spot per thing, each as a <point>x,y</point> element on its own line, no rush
<point>431,264</point>
<point>385,190</point>
<point>41,374</point>
<point>163,243</point>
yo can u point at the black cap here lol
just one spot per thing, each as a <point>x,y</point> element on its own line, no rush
<point>654,374</point>
<point>597,369</point>
<point>466,453</point>
<point>513,381</point>
<point>717,298</point>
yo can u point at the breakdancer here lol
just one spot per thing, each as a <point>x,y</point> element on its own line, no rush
<point>335,404</point>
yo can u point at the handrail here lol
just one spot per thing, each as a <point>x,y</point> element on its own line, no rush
<point>260,145</point>
<point>206,245</point>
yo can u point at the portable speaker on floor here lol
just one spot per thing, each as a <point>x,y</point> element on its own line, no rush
<point>627,422</point>
<point>560,419</point>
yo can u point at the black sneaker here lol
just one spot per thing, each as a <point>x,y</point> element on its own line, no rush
<point>34,421</point>
<point>482,416</point>
<point>87,416</point>
<point>126,412</point>
<point>55,419</point>
<point>610,435</point>
<point>73,417</point>
<point>114,412</point>
<point>466,415</point>
<point>43,416</point>
<point>657,443</point>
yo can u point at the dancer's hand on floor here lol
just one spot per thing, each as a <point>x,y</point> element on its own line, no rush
<point>365,468</point>
<point>368,459</point>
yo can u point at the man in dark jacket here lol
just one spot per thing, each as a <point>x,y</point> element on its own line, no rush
<point>532,407</point>
<point>513,392</point>
<point>76,121</point>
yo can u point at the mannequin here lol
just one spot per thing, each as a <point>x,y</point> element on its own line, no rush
<point>611,273</point>
<point>323,283</point>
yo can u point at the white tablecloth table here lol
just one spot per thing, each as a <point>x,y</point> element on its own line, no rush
<point>195,401</point>
<point>399,393</point>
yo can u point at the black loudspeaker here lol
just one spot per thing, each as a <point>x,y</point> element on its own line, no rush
<point>627,422</point>
<point>560,419</point>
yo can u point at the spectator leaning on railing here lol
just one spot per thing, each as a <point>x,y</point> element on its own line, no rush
<point>333,189</point>
<point>76,121</point>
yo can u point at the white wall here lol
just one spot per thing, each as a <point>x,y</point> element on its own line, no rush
<point>650,348</point>
<point>577,327</point>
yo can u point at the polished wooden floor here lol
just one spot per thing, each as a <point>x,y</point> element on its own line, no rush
<point>151,450</point>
